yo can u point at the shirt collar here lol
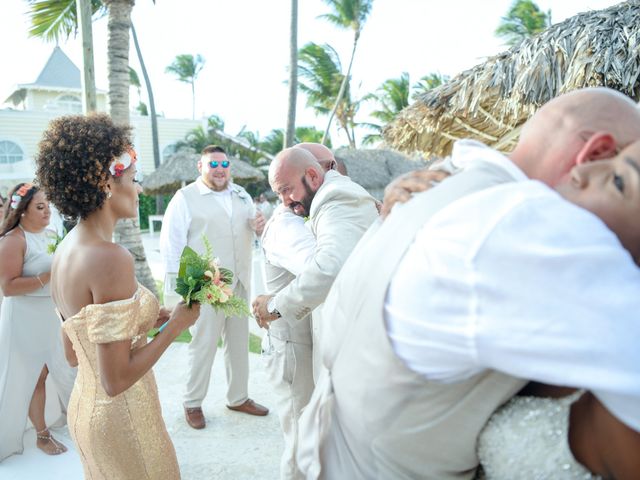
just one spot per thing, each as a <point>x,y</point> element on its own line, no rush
<point>466,152</point>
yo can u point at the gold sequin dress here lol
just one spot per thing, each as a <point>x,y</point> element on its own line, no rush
<point>121,437</point>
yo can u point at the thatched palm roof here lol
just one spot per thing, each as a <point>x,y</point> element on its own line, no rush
<point>375,168</point>
<point>491,101</point>
<point>181,168</point>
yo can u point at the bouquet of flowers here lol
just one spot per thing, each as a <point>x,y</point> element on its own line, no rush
<point>202,280</point>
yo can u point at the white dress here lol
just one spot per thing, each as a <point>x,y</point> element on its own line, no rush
<point>30,337</point>
<point>528,438</point>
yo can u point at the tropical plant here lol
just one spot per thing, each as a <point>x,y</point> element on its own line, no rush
<point>293,76</point>
<point>273,142</point>
<point>320,76</point>
<point>55,19</point>
<point>432,80</point>
<point>347,14</point>
<point>392,96</point>
<point>523,20</point>
<point>186,68</point>
<point>134,80</point>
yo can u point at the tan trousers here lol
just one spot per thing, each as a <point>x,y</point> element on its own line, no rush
<point>234,332</point>
<point>290,372</point>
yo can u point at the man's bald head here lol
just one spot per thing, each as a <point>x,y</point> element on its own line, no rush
<point>579,126</point>
<point>293,160</point>
<point>295,175</point>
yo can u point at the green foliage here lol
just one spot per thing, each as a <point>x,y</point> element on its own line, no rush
<point>134,79</point>
<point>273,143</point>
<point>348,14</point>
<point>426,83</point>
<point>186,67</point>
<point>319,69</point>
<point>393,96</point>
<point>57,20</point>
<point>146,207</point>
<point>523,20</point>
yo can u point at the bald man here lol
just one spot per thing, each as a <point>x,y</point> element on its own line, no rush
<point>339,213</point>
<point>290,363</point>
<point>428,303</point>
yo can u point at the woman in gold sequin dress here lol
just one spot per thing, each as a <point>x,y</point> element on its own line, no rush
<point>87,168</point>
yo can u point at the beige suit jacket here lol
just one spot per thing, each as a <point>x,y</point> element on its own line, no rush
<point>340,213</point>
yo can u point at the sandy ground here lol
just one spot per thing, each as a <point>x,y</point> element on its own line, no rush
<point>232,446</point>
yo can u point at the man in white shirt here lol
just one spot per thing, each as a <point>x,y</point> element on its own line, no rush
<point>215,208</point>
<point>447,343</point>
<point>288,245</point>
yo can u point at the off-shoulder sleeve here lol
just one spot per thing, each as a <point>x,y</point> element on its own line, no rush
<point>113,322</point>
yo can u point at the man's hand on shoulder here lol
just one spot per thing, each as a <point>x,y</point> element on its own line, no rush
<point>401,189</point>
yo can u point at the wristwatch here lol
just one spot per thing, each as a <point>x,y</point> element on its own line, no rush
<point>271,307</point>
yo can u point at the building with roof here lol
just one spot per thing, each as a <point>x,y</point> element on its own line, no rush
<point>57,91</point>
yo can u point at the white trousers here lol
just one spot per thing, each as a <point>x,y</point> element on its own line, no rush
<point>290,372</point>
<point>234,332</point>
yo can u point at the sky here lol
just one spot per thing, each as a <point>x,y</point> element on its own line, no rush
<point>245,44</point>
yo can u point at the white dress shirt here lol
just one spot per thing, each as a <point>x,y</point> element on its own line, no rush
<point>176,222</point>
<point>516,279</point>
<point>287,242</point>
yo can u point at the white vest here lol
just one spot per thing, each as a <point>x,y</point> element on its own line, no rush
<point>370,416</point>
<point>231,238</point>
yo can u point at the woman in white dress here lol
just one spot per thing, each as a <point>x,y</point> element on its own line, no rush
<point>30,338</point>
<point>551,432</point>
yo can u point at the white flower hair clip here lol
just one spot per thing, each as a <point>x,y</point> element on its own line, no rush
<point>119,165</point>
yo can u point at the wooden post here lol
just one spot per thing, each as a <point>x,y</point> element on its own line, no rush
<point>88,76</point>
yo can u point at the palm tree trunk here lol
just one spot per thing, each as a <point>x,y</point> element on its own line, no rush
<point>155,142</point>
<point>343,87</point>
<point>290,132</point>
<point>83,8</point>
<point>127,232</point>
<point>118,26</point>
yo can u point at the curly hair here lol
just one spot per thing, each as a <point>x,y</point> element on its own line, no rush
<point>73,161</point>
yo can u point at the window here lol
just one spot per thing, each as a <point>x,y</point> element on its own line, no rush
<point>10,153</point>
<point>69,104</point>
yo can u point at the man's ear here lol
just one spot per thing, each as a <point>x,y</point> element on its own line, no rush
<point>600,145</point>
<point>314,177</point>
<point>200,166</point>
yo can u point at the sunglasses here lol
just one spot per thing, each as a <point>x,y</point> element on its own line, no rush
<point>215,163</point>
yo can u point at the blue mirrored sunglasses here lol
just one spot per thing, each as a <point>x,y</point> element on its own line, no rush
<point>215,163</point>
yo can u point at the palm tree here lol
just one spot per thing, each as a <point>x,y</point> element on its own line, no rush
<point>273,142</point>
<point>392,96</point>
<point>524,19</point>
<point>54,19</point>
<point>320,73</point>
<point>187,68</point>
<point>432,80</point>
<point>293,75</point>
<point>347,14</point>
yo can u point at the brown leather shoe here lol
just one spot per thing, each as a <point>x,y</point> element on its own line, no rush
<point>250,407</point>
<point>195,417</point>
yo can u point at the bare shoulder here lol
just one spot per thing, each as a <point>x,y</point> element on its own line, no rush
<point>13,242</point>
<point>112,272</point>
